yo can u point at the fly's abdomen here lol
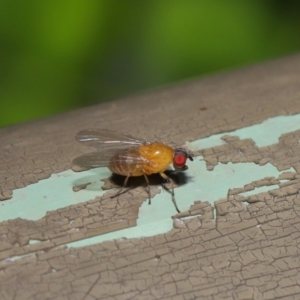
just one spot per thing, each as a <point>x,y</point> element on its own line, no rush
<point>125,165</point>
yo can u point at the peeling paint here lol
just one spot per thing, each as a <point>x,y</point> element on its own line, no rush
<point>32,202</point>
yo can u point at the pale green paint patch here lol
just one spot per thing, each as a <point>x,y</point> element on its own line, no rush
<point>32,242</point>
<point>55,192</point>
<point>33,201</point>
<point>263,134</point>
<point>13,258</point>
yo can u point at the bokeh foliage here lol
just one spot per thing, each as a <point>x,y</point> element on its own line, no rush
<point>60,54</point>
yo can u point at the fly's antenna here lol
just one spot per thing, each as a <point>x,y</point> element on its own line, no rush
<point>190,156</point>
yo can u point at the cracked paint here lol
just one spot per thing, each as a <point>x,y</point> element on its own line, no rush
<point>34,201</point>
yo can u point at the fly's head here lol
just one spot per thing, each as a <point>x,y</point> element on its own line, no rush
<point>179,159</point>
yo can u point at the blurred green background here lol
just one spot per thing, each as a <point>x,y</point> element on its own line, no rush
<point>60,54</point>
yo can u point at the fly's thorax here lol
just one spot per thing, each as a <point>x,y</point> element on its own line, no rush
<point>157,156</point>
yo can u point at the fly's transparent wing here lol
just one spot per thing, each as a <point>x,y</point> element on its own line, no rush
<point>104,158</point>
<point>105,140</point>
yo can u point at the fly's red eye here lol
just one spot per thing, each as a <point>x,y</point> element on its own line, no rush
<point>179,160</point>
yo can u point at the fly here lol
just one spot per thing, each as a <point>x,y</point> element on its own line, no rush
<point>129,156</point>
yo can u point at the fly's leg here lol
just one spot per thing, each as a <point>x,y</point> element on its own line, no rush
<point>122,188</point>
<point>148,188</point>
<point>168,179</point>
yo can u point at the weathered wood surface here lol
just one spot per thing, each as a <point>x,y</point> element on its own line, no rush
<point>244,252</point>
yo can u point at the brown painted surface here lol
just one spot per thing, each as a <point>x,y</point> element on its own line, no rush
<point>231,251</point>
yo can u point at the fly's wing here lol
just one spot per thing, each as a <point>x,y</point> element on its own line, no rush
<point>104,158</point>
<point>105,140</point>
<point>122,148</point>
